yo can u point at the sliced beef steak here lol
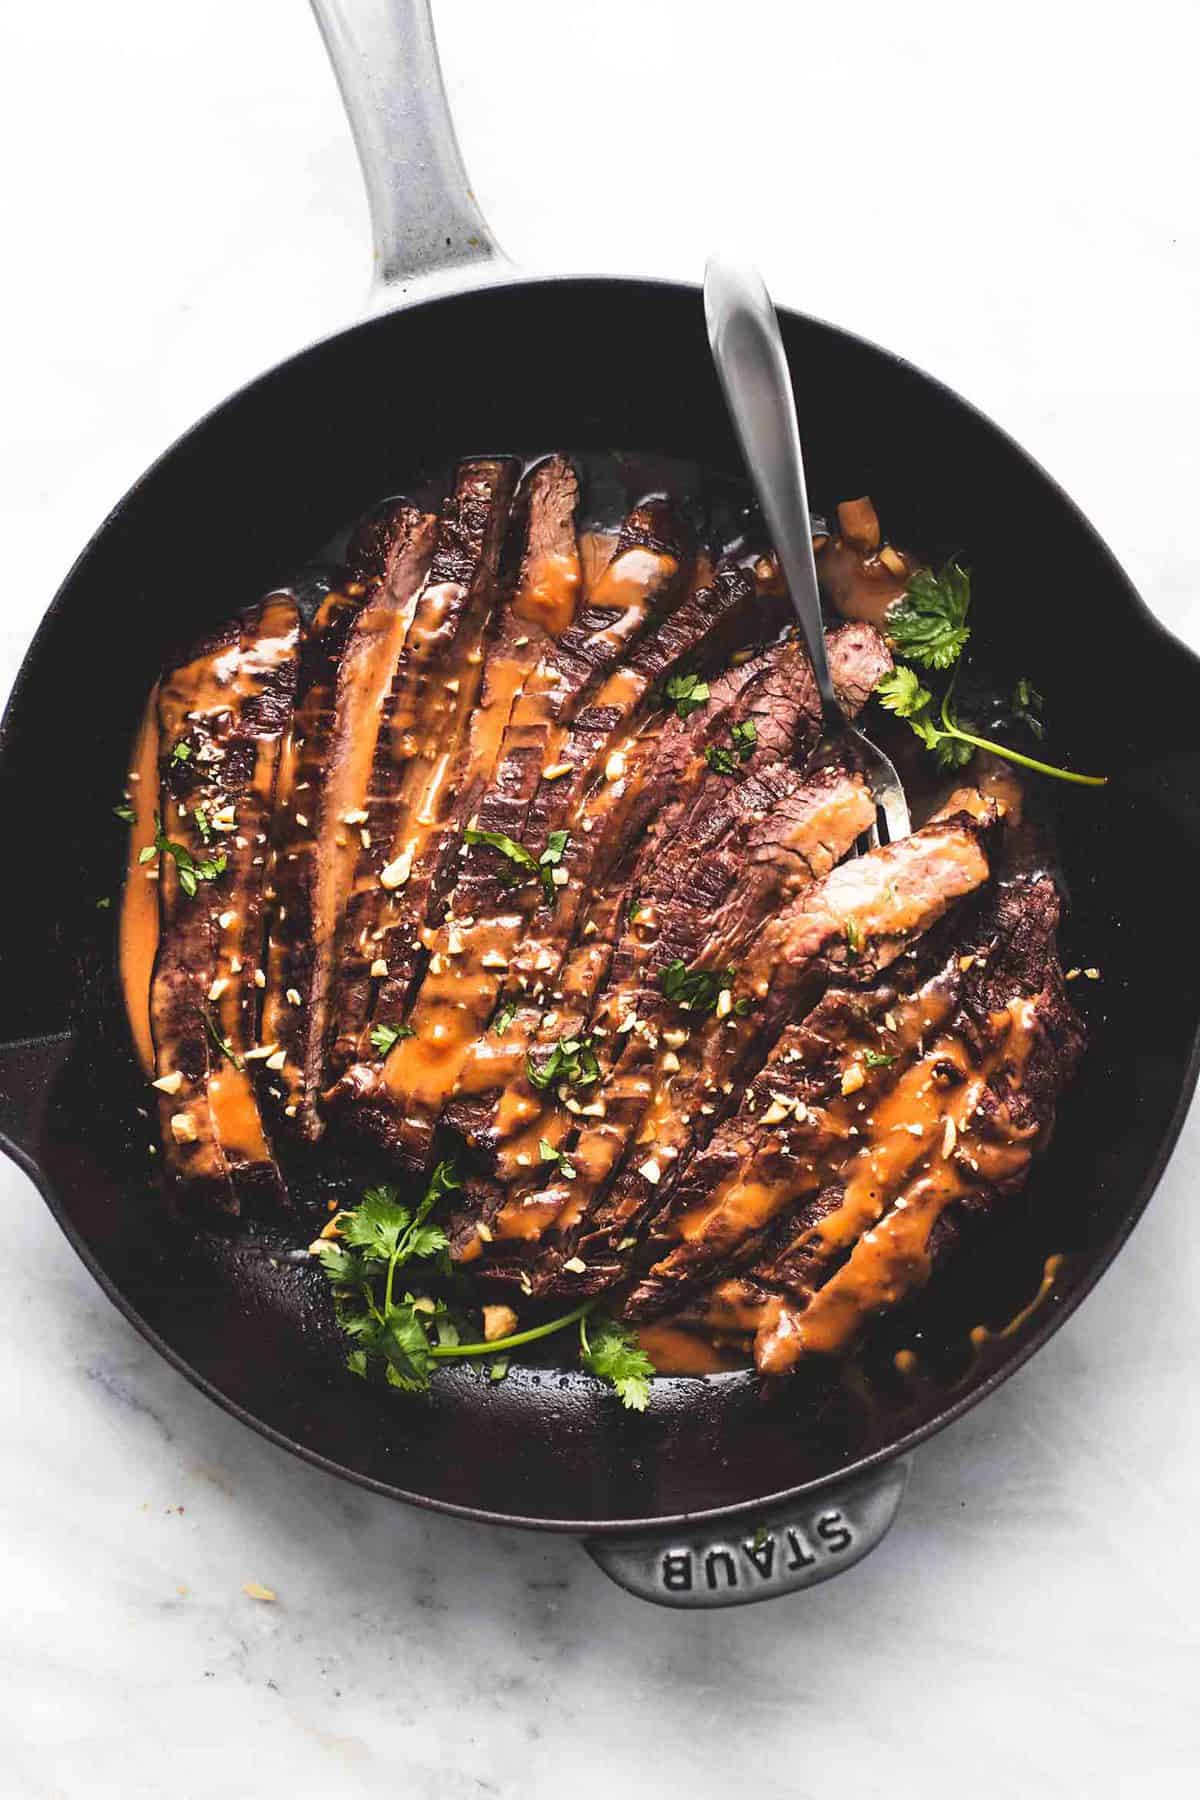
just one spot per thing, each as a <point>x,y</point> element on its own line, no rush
<point>420,768</point>
<point>775,712</point>
<point>975,1107</point>
<point>222,717</point>
<point>316,847</point>
<point>868,911</point>
<point>550,757</point>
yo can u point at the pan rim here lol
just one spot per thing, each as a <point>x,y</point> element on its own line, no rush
<point>1022,1348</point>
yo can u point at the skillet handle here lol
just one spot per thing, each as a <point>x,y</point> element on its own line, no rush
<point>757,1555</point>
<point>28,1068</point>
<point>428,230</point>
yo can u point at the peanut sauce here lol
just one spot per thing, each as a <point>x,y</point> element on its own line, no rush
<point>891,1258</point>
<point>463,991</point>
<point>138,933</point>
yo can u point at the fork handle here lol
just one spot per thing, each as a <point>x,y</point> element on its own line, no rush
<point>743,332</point>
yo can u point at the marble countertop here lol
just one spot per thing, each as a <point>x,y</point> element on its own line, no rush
<point>1010,202</point>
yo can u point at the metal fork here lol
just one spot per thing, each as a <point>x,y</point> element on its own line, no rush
<point>743,333</point>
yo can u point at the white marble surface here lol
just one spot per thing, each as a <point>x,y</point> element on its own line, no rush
<point>180,208</point>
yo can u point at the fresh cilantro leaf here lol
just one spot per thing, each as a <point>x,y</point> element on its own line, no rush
<point>443,1181</point>
<point>406,1348</point>
<point>955,752</point>
<point>720,760</point>
<point>521,858</point>
<point>613,1354</point>
<point>877,1059</point>
<point>1028,706</point>
<point>552,855</point>
<point>181,752</point>
<point>343,1269</point>
<point>504,1018</point>
<point>203,823</point>
<point>125,812</point>
<point>688,693</point>
<point>376,1224</point>
<point>516,853</point>
<point>572,1060</point>
<point>383,1037</point>
<point>901,692</point>
<point>693,990</point>
<point>549,1154</point>
<point>191,872</point>
<point>929,624</point>
<point>745,737</point>
<point>103,904</point>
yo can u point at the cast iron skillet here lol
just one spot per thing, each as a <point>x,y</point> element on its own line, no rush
<point>721,1492</point>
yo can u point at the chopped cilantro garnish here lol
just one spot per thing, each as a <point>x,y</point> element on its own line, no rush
<point>383,1037</point>
<point>688,693</point>
<point>720,760</point>
<point>693,990</point>
<point>745,737</point>
<point>572,1060</point>
<point>549,1154</point>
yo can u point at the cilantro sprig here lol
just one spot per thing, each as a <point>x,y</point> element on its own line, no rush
<point>613,1354</point>
<point>939,729</point>
<point>375,1240</point>
<point>405,1334</point>
<point>929,625</point>
<point>385,1037</point>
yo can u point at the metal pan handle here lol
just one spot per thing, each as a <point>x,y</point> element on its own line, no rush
<point>429,232</point>
<point>757,1555</point>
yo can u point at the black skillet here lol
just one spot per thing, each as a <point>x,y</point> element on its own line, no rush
<point>721,1492</point>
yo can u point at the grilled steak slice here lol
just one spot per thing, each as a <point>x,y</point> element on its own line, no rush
<point>866,912</point>
<point>348,677</point>
<point>776,712</point>
<point>823,1078</point>
<point>549,757</point>
<point>289,955</point>
<point>771,835</point>
<point>541,603</point>
<point>419,765</point>
<point>221,718</point>
<point>977,1103</point>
